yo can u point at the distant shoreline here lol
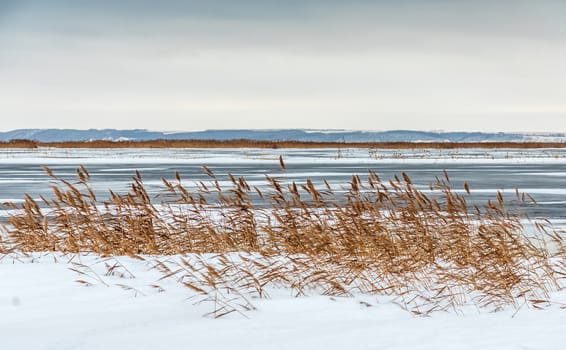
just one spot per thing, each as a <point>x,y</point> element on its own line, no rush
<point>276,144</point>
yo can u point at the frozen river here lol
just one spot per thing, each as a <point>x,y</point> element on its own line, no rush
<point>541,173</point>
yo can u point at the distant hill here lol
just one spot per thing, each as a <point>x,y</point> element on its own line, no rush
<point>55,135</point>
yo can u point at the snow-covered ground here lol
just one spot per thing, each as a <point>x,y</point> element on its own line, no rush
<point>43,307</point>
<point>296,156</point>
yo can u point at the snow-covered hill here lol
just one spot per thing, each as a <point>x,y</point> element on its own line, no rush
<point>51,135</point>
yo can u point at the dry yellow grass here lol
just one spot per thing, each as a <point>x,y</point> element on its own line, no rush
<point>432,252</point>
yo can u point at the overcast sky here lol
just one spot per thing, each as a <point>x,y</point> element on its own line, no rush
<point>326,64</point>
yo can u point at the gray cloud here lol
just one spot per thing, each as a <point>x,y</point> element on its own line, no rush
<point>345,64</point>
<point>293,24</point>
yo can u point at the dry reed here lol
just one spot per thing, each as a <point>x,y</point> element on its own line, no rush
<point>433,252</point>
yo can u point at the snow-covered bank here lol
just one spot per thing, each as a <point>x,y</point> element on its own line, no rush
<point>292,156</point>
<point>42,307</point>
